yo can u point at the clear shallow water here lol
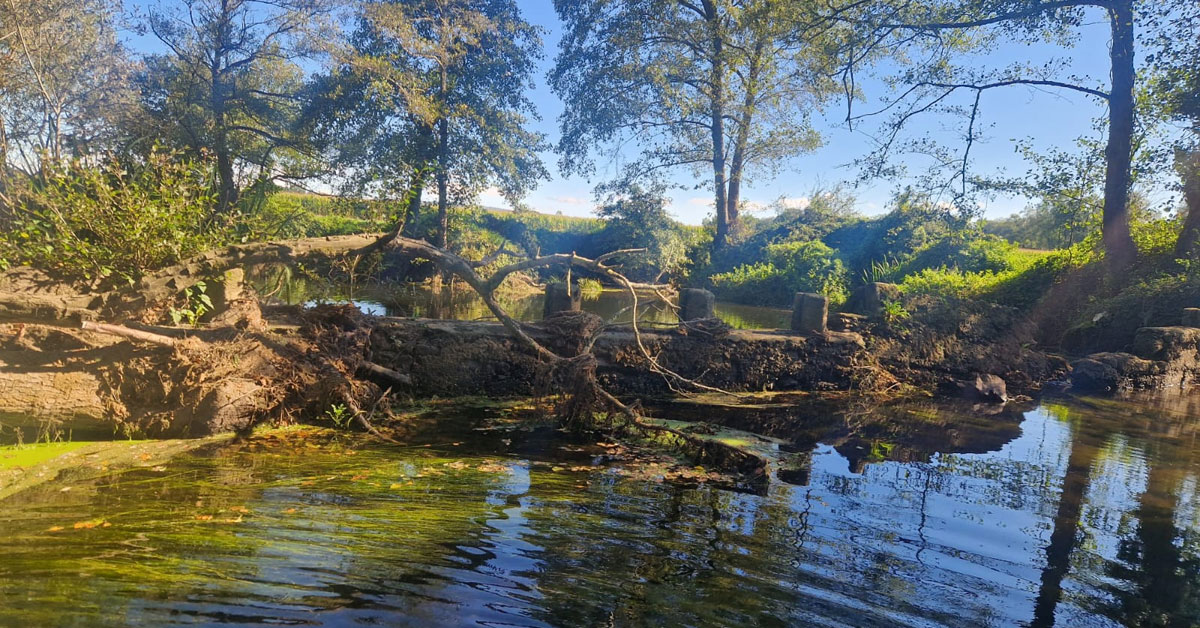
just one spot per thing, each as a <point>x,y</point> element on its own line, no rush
<point>1071,514</point>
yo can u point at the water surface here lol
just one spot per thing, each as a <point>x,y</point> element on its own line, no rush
<point>1076,513</point>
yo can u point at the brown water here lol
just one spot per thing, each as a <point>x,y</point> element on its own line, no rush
<point>1075,513</point>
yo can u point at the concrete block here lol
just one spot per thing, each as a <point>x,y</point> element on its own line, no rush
<point>809,313</point>
<point>695,304</point>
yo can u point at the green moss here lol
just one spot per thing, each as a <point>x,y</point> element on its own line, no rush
<point>23,456</point>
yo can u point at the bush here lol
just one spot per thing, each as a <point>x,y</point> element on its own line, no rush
<point>790,268</point>
<point>115,220</point>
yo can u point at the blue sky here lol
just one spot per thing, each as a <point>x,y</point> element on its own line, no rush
<point>1053,118</point>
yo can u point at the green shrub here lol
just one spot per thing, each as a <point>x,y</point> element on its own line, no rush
<point>117,219</point>
<point>791,267</point>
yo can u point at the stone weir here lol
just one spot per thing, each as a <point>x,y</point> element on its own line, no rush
<point>452,358</point>
<point>1160,358</point>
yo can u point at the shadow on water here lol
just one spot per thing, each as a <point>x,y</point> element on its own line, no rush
<point>1073,513</point>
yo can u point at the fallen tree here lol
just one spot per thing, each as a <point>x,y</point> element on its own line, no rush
<point>230,375</point>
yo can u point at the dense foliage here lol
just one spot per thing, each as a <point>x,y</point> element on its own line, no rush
<point>118,219</point>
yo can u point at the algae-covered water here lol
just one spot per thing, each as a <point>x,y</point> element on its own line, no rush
<point>1076,513</point>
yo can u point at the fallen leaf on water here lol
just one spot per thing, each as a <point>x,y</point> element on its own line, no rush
<point>241,509</point>
<point>87,525</point>
<point>458,464</point>
<point>54,529</point>
<point>395,485</point>
<point>144,457</point>
<point>361,476</point>
<point>204,517</point>
<point>64,489</point>
<point>290,511</point>
<point>306,483</point>
<point>159,468</point>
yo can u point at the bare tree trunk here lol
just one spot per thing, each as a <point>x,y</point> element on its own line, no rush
<point>1190,235</point>
<point>1118,243</point>
<point>745,119</point>
<point>443,234</point>
<point>717,124</point>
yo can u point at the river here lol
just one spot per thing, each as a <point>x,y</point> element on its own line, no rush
<point>418,301</point>
<point>1077,512</point>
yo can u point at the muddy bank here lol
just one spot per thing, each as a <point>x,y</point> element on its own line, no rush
<point>452,358</point>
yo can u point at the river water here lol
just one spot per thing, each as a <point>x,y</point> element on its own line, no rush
<point>418,301</point>
<point>1073,513</point>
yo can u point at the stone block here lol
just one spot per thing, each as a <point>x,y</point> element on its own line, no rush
<point>558,299</point>
<point>809,313</point>
<point>1191,317</point>
<point>695,304</point>
<point>868,299</point>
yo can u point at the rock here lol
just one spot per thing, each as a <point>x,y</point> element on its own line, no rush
<point>845,321</point>
<point>1107,372</point>
<point>559,300</point>
<point>695,304</point>
<point>810,312</point>
<point>1191,317</point>
<point>869,299</point>
<point>1166,343</point>
<point>229,288</point>
<point>985,388</point>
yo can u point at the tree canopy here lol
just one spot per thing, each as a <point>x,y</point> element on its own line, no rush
<point>723,87</point>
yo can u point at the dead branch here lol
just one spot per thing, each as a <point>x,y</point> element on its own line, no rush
<point>131,334</point>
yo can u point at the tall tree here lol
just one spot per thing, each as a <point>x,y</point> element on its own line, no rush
<point>230,84</point>
<point>946,27</point>
<point>719,86</point>
<point>441,87</point>
<point>1175,96</point>
<point>63,80</point>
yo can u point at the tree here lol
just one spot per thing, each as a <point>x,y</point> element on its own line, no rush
<point>230,85</point>
<point>947,27</point>
<point>441,88</point>
<point>63,80</point>
<point>637,218</point>
<point>1175,91</point>
<point>717,85</point>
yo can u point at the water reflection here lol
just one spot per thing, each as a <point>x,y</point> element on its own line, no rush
<point>420,301</point>
<point>1076,513</point>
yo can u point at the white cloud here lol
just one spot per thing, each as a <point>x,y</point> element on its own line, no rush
<point>801,202</point>
<point>570,200</point>
<point>700,201</point>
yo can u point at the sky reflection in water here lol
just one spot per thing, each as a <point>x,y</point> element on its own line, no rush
<point>1081,513</point>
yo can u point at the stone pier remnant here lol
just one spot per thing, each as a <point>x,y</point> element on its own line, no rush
<point>1191,317</point>
<point>559,299</point>
<point>809,313</point>
<point>695,304</point>
<point>869,299</point>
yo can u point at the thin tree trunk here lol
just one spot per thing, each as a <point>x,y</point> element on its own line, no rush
<point>717,124</point>
<point>1190,235</point>
<point>743,138</point>
<point>443,234</point>
<point>1118,243</point>
<point>226,186</point>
